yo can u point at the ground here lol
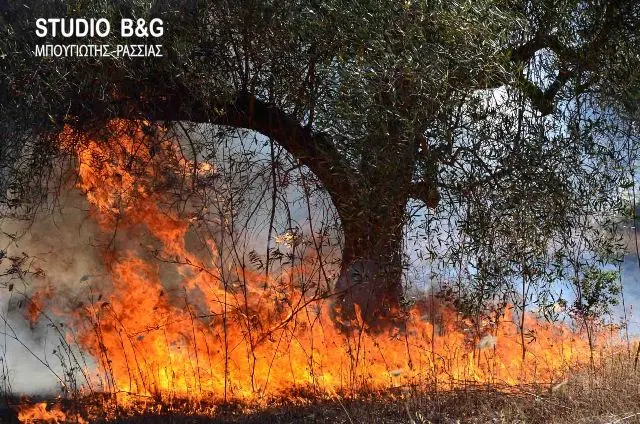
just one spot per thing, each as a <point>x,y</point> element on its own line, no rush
<point>608,393</point>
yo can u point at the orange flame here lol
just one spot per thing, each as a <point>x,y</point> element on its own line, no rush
<point>36,304</point>
<point>200,331</point>
<point>38,413</point>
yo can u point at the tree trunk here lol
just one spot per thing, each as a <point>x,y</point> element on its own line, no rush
<point>370,281</point>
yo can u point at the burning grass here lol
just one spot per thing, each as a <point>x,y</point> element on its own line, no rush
<point>186,334</point>
<point>608,393</point>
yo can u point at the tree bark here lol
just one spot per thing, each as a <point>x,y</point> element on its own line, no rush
<point>370,281</point>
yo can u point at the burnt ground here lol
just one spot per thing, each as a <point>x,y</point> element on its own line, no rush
<point>477,405</point>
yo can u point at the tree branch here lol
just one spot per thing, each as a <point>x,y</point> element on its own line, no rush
<point>312,149</point>
<point>425,191</point>
<point>571,60</point>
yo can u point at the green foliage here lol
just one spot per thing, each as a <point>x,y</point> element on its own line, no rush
<point>598,290</point>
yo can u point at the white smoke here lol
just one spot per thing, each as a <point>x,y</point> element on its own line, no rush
<point>60,242</point>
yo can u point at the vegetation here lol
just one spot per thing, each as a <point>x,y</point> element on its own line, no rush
<point>502,134</point>
<point>606,396</point>
<point>512,121</point>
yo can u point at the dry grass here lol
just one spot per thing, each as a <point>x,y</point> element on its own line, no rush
<point>610,394</point>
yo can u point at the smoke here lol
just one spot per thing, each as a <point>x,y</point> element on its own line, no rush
<point>58,253</point>
<point>630,275</point>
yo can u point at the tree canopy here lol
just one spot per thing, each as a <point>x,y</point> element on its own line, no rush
<point>513,124</point>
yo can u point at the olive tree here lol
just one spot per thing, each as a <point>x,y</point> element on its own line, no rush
<point>510,120</point>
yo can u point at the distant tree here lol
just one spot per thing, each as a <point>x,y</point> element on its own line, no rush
<point>597,291</point>
<point>513,121</point>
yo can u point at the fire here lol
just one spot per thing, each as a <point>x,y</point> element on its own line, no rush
<point>38,413</point>
<point>179,322</point>
<point>37,304</point>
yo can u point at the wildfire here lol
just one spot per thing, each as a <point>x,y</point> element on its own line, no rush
<point>39,413</point>
<point>176,321</point>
